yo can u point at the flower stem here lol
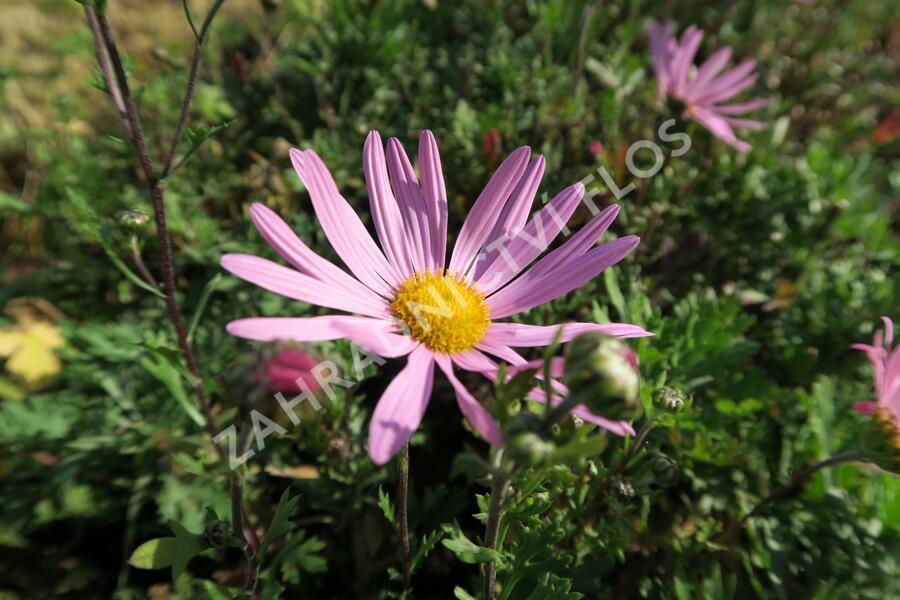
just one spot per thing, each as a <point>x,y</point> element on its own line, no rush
<point>499,486</point>
<point>403,518</point>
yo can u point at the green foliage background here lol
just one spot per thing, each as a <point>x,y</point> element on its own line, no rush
<point>756,272</point>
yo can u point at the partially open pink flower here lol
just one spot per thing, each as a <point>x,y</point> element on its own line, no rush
<point>703,90</point>
<point>289,366</point>
<point>885,361</point>
<point>406,299</point>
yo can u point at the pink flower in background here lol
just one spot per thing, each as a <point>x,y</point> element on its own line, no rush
<point>886,363</point>
<point>281,372</point>
<point>406,299</point>
<point>704,89</point>
<point>596,148</point>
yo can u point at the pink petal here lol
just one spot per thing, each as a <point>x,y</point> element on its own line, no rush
<point>375,335</point>
<point>401,407</point>
<point>505,263</point>
<point>487,209</point>
<point>283,239</point>
<point>726,85</point>
<point>709,69</point>
<point>514,215</point>
<point>412,206</point>
<point>661,39</point>
<point>531,290</point>
<point>435,196</point>
<point>557,367</point>
<point>684,57</point>
<point>621,428</point>
<point>501,351</point>
<point>480,419</point>
<point>741,107</point>
<point>385,211</point>
<point>719,128</point>
<point>580,243</point>
<point>745,123</point>
<point>519,335</point>
<point>865,408</point>
<point>342,226</point>
<point>288,282</point>
<point>474,360</point>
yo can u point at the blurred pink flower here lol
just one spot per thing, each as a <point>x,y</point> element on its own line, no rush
<point>282,372</point>
<point>702,90</point>
<point>886,363</point>
<point>406,299</point>
<point>596,147</point>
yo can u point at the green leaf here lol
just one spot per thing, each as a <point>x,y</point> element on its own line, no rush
<point>170,376</point>
<point>464,549</point>
<point>462,594</point>
<point>174,552</point>
<point>384,503</point>
<point>280,524</point>
<point>428,543</point>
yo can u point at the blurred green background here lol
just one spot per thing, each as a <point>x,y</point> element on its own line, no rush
<point>755,271</point>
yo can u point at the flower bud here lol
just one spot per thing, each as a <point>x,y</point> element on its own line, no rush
<point>282,372</point>
<point>132,218</point>
<point>882,440</point>
<point>669,399</point>
<point>602,374</point>
<point>625,489</point>
<point>215,534</point>
<point>529,449</point>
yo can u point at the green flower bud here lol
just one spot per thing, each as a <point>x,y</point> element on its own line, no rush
<point>882,440</point>
<point>625,489</point>
<point>669,399</point>
<point>602,374</point>
<point>132,218</point>
<point>215,534</point>
<point>529,449</point>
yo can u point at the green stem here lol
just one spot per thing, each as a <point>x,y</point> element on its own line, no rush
<point>499,486</point>
<point>403,517</point>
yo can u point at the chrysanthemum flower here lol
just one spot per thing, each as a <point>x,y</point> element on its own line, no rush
<point>883,438</point>
<point>407,299</point>
<point>702,90</point>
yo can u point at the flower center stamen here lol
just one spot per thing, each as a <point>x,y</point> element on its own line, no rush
<point>442,311</point>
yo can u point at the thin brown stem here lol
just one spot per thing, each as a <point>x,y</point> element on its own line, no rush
<point>403,517</point>
<point>105,41</point>
<point>792,486</point>
<point>196,61</point>
<point>103,61</point>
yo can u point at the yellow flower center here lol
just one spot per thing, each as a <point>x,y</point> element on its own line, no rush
<point>442,311</point>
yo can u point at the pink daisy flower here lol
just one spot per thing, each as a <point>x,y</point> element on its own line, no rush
<point>885,361</point>
<point>405,298</point>
<point>702,90</point>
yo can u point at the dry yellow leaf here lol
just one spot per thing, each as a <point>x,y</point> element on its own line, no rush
<point>29,348</point>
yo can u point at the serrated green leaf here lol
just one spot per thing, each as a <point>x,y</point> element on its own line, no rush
<point>174,552</point>
<point>464,549</point>
<point>280,524</point>
<point>384,503</point>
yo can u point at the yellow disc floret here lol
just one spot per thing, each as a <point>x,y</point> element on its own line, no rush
<point>442,311</point>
